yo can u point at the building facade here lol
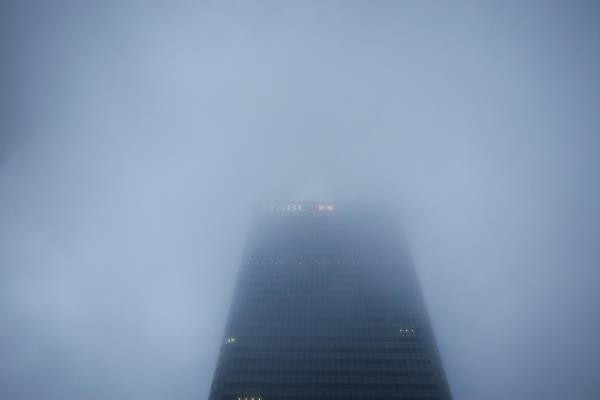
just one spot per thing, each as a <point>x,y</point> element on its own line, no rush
<point>327,306</point>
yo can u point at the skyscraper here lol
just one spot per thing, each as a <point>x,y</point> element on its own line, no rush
<point>327,306</point>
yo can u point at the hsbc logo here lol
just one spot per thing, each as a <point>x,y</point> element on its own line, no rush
<point>325,207</point>
<point>299,207</point>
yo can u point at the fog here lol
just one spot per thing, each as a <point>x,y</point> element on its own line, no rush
<point>137,136</point>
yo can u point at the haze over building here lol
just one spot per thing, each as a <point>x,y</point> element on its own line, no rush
<point>327,306</point>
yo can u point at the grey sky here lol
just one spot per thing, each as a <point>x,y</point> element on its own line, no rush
<point>139,133</point>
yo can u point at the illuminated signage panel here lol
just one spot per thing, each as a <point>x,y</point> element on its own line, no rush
<point>304,207</point>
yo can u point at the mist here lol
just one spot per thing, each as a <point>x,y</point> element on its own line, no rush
<point>138,135</point>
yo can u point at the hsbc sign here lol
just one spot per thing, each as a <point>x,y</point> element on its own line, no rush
<point>291,207</point>
<point>303,207</point>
